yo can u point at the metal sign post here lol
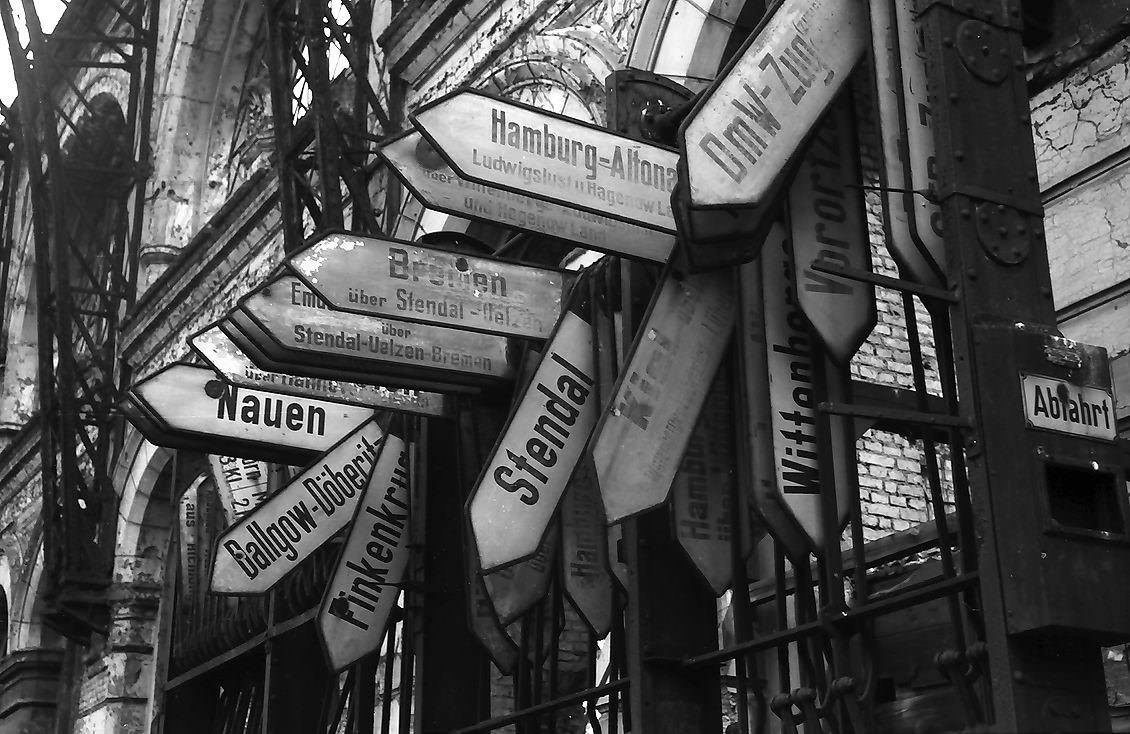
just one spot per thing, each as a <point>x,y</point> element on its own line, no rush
<point>410,282</point>
<point>431,180</point>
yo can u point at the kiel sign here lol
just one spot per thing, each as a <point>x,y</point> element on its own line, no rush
<point>290,326</point>
<point>196,403</point>
<point>519,148</point>
<point>219,351</point>
<point>264,546</point>
<point>363,590</point>
<point>426,174</point>
<point>519,488</point>
<point>380,277</point>
<point>740,137</point>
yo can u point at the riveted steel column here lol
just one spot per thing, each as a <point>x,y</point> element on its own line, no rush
<point>997,261</point>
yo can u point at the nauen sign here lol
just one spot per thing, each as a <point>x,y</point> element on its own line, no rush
<point>195,401</point>
<point>741,135</point>
<point>225,357</point>
<point>431,180</point>
<point>521,484</point>
<point>411,282</point>
<point>253,555</point>
<point>363,589</point>
<point>523,149</point>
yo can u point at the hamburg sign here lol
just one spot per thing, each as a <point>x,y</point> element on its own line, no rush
<point>520,148</point>
<point>254,554</point>
<point>584,545</point>
<point>829,226</point>
<point>637,447</point>
<point>431,180</point>
<point>738,140</point>
<point>363,590</point>
<point>218,350</point>
<point>290,325</point>
<point>380,277</point>
<point>518,490</point>
<point>195,402</point>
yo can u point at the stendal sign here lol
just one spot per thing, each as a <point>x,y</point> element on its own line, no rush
<point>1056,405</point>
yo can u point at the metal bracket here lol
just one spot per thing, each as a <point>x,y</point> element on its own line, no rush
<point>983,50</point>
<point>1003,233</point>
<point>1004,13</point>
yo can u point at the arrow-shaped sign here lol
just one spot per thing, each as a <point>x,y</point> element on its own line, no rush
<point>740,137</point>
<point>219,351</point>
<point>584,547</point>
<point>195,403</point>
<point>243,484</point>
<point>518,490</point>
<point>829,226</point>
<point>645,427</point>
<point>381,277</point>
<point>514,590</point>
<point>519,148</point>
<point>293,326</point>
<point>431,180</point>
<point>254,554</point>
<point>363,590</point>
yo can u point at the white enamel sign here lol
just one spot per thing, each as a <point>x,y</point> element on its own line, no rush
<point>264,546</point>
<point>219,351</point>
<point>752,120</point>
<point>645,428</point>
<point>195,400</point>
<point>829,226</point>
<point>520,486</point>
<point>520,148</point>
<point>1064,407</point>
<point>411,282</point>
<point>242,484</point>
<point>584,546</point>
<point>791,359</point>
<point>363,589</point>
<point>433,182</point>
<point>298,321</point>
<point>914,222</point>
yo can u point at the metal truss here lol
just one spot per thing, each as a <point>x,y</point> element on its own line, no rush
<point>324,105</point>
<point>88,158</point>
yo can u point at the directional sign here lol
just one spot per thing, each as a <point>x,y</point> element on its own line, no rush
<point>912,221</point>
<point>701,494</point>
<point>194,401</point>
<point>219,351</point>
<point>242,484</point>
<point>482,617</point>
<point>829,226</point>
<point>295,327</point>
<point>513,590</point>
<point>791,362</point>
<point>187,545</point>
<point>520,148</point>
<point>363,590</point>
<point>426,174</point>
<point>255,553</point>
<point>411,282</point>
<point>584,547</point>
<point>740,137</point>
<point>519,488</point>
<point>645,427</point>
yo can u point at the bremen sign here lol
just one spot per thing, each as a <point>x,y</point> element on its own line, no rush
<point>193,400</point>
<point>252,555</point>
<point>431,180</point>
<point>295,326</point>
<point>829,226</point>
<point>1063,407</point>
<point>363,589</point>
<point>536,153</point>
<point>741,135</point>
<point>519,488</point>
<point>646,426</point>
<point>383,277</point>
<point>218,350</point>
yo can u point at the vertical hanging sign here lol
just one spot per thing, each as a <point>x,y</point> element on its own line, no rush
<point>188,547</point>
<point>584,548</point>
<point>364,587</point>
